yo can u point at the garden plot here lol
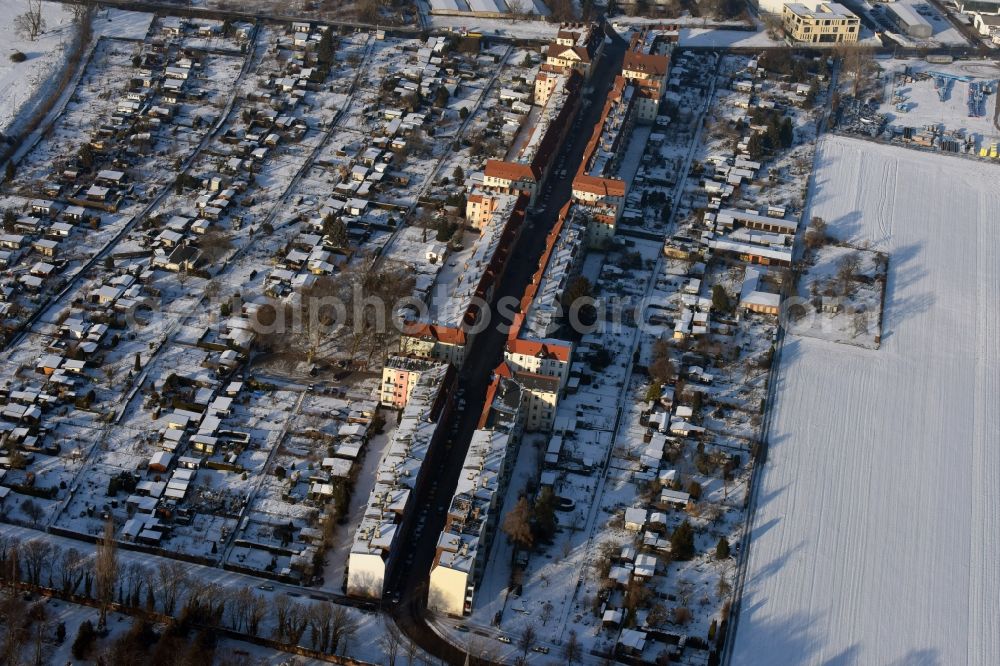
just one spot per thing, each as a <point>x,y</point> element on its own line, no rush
<point>95,100</point>
<point>851,561</point>
<point>843,288</point>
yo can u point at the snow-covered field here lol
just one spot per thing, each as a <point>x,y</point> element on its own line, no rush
<point>875,540</point>
<point>23,85</point>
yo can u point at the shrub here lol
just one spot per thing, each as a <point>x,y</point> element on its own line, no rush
<point>17,56</point>
<point>682,542</point>
<point>722,549</point>
<point>84,640</point>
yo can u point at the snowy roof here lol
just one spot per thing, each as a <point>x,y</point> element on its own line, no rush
<point>401,465</point>
<point>635,516</point>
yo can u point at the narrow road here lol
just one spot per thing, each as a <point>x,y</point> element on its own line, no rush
<point>410,582</point>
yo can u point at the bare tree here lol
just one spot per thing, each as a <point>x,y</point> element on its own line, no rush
<point>236,607</point>
<point>172,579</point>
<point>369,11</point>
<point>30,24</point>
<point>342,631</point>
<point>35,554</point>
<point>14,635</point>
<point>856,62</point>
<point>389,642</point>
<point>214,245</point>
<point>255,613</point>
<point>32,510</point>
<point>71,570</point>
<point>860,322</point>
<point>296,623</point>
<point>546,614</point>
<point>723,588</point>
<point>37,617</point>
<point>411,652</point>
<point>848,267</point>
<point>571,650</point>
<point>281,606</point>
<point>816,234</point>
<point>517,9</point>
<point>106,570</point>
<point>136,576</point>
<point>527,639</point>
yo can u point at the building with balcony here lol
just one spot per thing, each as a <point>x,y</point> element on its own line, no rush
<point>400,375</point>
<point>474,513</point>
<point>376,546</point>
<point>828,23</point>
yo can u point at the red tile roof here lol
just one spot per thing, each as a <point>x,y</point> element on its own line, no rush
<point>446,334</point>
<point>559,51</point>
<point>541,349</point>
<point>606,187</point>
<point>654,65</point>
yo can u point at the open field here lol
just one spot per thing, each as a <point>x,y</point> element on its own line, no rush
<point>875,538</point>
<point>23,85</point>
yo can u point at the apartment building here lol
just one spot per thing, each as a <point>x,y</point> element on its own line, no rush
<point>449,325</point>
<point>542,368</point>
<point>577,46</point>
<point>535,147</point>
<point>829,23</point>
<point>510,177</point>
<point>547,81</point>
<point>376,546</point>
<point>541,398</point>
<point>542,301</point>
<point>479,208</point>
<point>596,187</point>
<point>400,375</point>
<point>647,71</point>
<point>534,355</point>
<point>432,341</point>
<point>474,513</point>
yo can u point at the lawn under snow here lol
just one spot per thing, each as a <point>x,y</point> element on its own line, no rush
<point>23,85</point>
<point>877,533</point>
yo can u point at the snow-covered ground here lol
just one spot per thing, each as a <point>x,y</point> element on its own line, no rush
<point>522,29</point>
<point>726,38</point>
<point>839,304</point>
<point>875,538</point>
<point>24,84</point>
<point>917,103</point>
